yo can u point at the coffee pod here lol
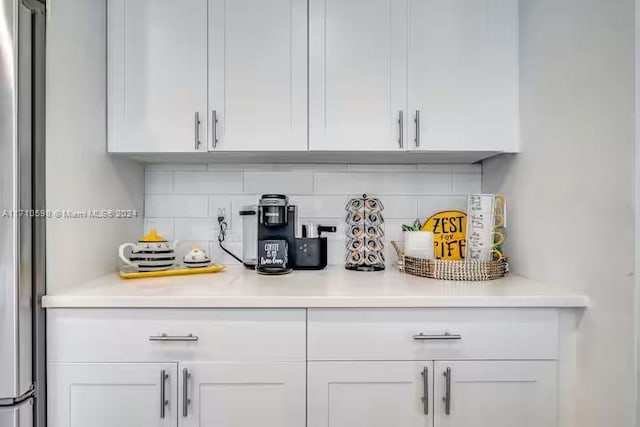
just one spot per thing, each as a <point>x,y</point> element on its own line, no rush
<point>356,231</point>
<point>374,232</point>
<point>355,258</point>
<point>354,217</point>
<point>355,205</point>
<point>355,244</point>
<point>375,245</point>
<point>373,258</point>
<point>375,218</point>
<point>373,204</point>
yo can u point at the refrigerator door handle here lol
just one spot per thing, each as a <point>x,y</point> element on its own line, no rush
<point>20,399</point>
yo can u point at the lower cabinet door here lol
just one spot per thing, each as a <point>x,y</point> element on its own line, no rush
<point>370,394</point>
<point>242,394</point>
<point>112,394</point>
<point>495,394</point>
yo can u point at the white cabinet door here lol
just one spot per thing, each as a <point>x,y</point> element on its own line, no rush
<point>258,75</point>
<point>496,394</point>
<point>370,394</point>
<point>112,394</point>
<point>157,75</point>
<point>243,394</point>
<point>463,74</point>
<point>357,74</point>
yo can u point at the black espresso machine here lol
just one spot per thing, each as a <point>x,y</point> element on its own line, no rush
<point>279,251</point>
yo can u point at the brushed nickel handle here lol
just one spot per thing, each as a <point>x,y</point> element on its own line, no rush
<point>165,337</point>
<point>425,390</point>
<point>214,127</point>
<point>185,392</point>
<point>417,121</point>
<point>163,398</point>
<point>401,128</point>
<point>197,131</point>
<point>436,337</point>
<point>447,391</point>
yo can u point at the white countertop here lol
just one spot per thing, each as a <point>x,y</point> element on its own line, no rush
<point>237,287</point>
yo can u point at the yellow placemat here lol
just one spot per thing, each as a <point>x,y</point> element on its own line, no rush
<point>132,274</point>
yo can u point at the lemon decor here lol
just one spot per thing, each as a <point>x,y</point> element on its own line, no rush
<point>449,230</point>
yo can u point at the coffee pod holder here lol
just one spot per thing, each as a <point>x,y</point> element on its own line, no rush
<point>364,234</point>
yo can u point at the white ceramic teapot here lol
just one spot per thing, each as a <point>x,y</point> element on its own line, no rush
<point>151,253</point>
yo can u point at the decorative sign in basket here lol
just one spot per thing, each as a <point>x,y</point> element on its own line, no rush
<point>452,270</point>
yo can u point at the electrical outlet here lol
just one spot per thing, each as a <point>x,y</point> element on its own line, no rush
<point>222,212</point>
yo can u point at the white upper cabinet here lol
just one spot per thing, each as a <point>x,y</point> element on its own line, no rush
<point>463,75</point>
<point>320,75</point>
<point>357,75</point>
<point>258,75</point>
<point>157,75</point>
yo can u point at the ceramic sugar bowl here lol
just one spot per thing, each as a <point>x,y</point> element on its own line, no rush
<point>151,253</point>
<point>197,258</point>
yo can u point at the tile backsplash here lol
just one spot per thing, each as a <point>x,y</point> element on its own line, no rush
<point>183,200</point>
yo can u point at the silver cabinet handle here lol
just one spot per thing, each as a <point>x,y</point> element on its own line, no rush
<point>165,337</point>
<point>185,392</point>
<point>163,398</point>
<point>214,127</point>
<point>197,131</point>
<point>447,391</point>
<point>435,337</point>
<point>401,128</point>
<point>425,390</point>
<point>417,120</point>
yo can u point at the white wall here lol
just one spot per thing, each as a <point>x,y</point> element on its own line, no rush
<point>571,190</point>
<point>182,201</point>
<point>80,174</point>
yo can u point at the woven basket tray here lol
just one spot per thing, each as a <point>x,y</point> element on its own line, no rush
<point>452,270</point>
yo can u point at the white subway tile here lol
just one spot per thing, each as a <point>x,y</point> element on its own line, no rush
<point>158,182</point>
<point>207,182</point>
<point>220,257</point>
<point>176,206</point>
<point>399,206</point>
<point>465,183</point>
<point>196,229</point>
<point>385,183</point>
<point>218,203</point>
<point>278,182</point>
<point>320,206</point>
<point>164,227</point>
<point>336,252</point>
<point>393,229</point>
<point>175,167</point>
<point>381,168</point>
<point>428,206</point>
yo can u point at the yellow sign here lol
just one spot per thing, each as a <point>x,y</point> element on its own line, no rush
<point>449,230</point>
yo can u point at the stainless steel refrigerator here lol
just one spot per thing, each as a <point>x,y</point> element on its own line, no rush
<point>22,246</point>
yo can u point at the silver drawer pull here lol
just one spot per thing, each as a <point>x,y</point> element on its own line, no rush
<point>445,336</point>
<point>165,337</point>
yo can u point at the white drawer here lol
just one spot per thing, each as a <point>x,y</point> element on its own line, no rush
<point>130,335</point>
<point>394,334</point>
